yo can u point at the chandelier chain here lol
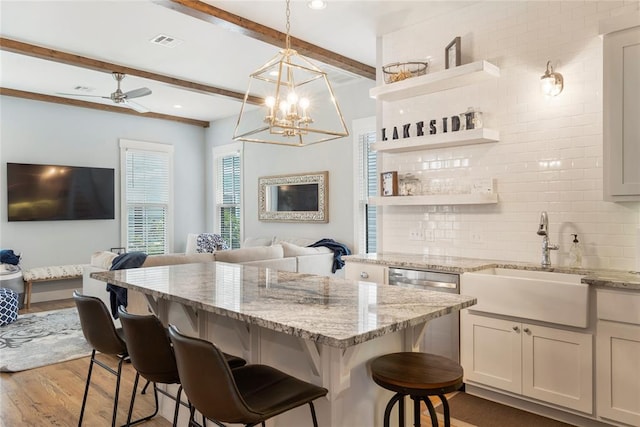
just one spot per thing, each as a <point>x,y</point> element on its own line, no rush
<point>287,40</point>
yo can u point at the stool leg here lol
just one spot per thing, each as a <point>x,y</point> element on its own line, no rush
<point>445,410</point>
<point>432,412</point>
<point>387,410</point>
<point>416,411</point>
<point>401,412</point>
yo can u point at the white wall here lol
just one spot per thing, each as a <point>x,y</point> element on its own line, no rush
<point>266,159</point>
<point>39,132</point>
<point>550,152</point>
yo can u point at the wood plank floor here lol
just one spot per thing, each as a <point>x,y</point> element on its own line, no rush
<point>52,395</point>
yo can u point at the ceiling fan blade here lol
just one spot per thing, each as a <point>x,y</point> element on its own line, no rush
<point>137,93</point>
<point>81,94</point>
<point>135,106</point>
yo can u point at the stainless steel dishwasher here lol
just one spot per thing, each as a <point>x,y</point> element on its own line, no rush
<point>442,335</point>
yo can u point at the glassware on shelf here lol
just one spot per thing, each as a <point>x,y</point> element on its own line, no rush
<point>410,185</point>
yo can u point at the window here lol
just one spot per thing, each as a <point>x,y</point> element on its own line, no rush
<point>228,196</point>
<point>147,196</point>
<point>367,185</point>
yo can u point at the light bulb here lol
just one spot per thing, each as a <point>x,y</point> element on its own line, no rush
<point>270,101</point>
<point>304,103</point>
<point>292,98</point>
<point>284,107</point>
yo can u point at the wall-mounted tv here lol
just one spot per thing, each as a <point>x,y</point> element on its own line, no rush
<point>55,192</point>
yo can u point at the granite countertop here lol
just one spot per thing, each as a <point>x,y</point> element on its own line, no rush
<point>336,312</point>
<point>596,277</point>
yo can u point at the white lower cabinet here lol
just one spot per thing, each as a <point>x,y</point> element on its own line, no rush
<point>366,272</point>
<point>618,357</point>
<point>549,364</point>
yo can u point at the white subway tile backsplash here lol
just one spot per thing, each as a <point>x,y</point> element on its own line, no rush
<point>549,156</point>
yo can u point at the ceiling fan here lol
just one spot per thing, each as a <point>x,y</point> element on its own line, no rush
<point>120,97</point>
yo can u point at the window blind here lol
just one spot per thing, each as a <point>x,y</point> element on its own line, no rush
<point>228,199</point>
<point>147,199</point>
<point>368,186</point>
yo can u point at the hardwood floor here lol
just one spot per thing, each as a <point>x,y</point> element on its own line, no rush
<point>52,395</point>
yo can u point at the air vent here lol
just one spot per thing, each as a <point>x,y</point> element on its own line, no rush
<point>165,40</point>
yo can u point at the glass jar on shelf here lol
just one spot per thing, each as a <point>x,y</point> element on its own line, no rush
<point>409,185</point>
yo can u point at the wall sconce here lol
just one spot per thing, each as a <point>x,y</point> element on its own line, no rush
<point>552,82</point>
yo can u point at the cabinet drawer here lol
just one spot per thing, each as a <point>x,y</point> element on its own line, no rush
<point>619,306</point>
<point>366,272</point>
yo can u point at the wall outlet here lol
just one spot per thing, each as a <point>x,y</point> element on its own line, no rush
<point>417,234</point>
<point>476,237</point>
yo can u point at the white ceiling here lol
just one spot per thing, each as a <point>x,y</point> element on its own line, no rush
<point>119,32</point>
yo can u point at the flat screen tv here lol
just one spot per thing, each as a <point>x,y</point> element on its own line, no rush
<point>55,192</point>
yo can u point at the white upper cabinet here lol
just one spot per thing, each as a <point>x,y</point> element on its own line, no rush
<point>621,111</point>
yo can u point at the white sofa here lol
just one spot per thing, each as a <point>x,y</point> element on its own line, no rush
<point>279,254</point>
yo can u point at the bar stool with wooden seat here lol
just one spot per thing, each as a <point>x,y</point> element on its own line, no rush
<point>418,375</point>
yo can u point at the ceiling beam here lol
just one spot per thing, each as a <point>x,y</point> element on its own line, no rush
<point>22,48</point>
<point>229,21</point>
<point>97,106</point>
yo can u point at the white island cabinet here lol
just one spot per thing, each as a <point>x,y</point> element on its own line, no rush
<point>320,329</point>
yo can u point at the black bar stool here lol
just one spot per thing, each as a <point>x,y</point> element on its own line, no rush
<point>418,375</point>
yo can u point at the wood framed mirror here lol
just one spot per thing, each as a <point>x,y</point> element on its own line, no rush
<point>294,198</point>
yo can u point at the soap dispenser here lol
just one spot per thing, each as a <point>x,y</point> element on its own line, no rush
<point>575,253</point>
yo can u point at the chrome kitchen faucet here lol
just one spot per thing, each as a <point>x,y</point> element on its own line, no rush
<point>543,230</point>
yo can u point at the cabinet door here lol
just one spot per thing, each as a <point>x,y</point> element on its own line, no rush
<point>618,372</point>
<point>366,272</point>
<point>621,112</point>
<point>557,366</point>
<point>491,351</point>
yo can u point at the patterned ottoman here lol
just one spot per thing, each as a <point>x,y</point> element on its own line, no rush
<point>8,306</point>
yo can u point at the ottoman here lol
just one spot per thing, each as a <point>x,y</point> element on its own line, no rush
<point>8,306</point>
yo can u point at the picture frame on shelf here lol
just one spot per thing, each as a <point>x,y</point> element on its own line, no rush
<point>389,183</point>
<point>452,54</point>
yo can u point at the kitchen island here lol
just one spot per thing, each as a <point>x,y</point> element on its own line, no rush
<point>320,329</point>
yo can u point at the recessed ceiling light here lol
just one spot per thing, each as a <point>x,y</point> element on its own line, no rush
<point>177,106</point>
<point>317,4</point>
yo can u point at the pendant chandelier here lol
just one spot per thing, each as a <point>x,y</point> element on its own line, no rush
<point>298,108</point>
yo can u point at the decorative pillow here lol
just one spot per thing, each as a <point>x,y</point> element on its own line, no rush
<point>294,250</point>
<point>102,259</point>
<point>208,243</point>
<point>250,254</point>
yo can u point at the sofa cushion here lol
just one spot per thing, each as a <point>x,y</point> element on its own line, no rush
<point>171,259</point>
<point>294,250</point>
<point>299,241</point>
<point>250,254</point>
<point>251,242</point>
<point>280,264</point>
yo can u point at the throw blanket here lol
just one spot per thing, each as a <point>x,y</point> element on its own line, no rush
<point>118,295</point>
<point>8,257</point>
<point>338,249</point>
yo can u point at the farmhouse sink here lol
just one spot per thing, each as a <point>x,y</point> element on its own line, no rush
<point>538,295</point>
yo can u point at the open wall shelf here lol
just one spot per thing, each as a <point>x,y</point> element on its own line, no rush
<point>461,75</point>
<point>436,199</point>
<point>449,139</point>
